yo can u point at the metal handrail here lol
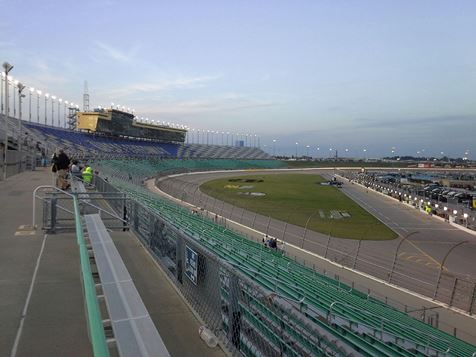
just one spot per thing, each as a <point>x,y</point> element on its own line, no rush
<point>96,329</point>
<point>72,195</point>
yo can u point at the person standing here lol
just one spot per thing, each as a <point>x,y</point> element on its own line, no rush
<point>62,166</point>
<point>75,171</point>
<point>87,174</point>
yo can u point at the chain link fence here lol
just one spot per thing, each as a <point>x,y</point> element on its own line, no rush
<point>397,262</point>
<point>247,319</point>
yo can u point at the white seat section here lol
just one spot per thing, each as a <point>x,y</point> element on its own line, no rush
<point>135,332</point>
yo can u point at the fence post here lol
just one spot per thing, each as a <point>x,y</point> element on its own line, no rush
<point>396,254</point>
<point>305,228</point>
<point>269,222</point>
<point>357,254</point>
<point>53,214</point>
<point>327,245</point>
<point>471,303</point>
<point>443,264</point>
<point>254,219</point>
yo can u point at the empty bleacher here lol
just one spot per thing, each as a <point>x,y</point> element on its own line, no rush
<point>364,324</point>
<point>137,170</point>
<point>85,145</point>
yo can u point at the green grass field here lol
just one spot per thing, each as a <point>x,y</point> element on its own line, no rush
<point>295,197</point>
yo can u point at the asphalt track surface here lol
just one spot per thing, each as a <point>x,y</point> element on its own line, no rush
<point>420,249</point>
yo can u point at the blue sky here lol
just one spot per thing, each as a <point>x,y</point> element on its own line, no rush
<point>340,74</point>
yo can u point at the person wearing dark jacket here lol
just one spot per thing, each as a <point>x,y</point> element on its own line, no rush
<point>62,165</point>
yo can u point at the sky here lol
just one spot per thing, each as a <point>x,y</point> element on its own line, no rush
<point>374,75</point>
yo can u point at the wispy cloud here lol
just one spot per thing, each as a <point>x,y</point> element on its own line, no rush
<point>115,54</point>
<point>227,104</point>
<point>443,120</point>
<point>154,88</point>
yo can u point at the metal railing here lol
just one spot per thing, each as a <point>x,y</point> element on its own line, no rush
<point>53,195</point>
<point>96,328</point>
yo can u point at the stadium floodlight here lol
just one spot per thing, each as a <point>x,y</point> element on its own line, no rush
<point>437,205</point>
<point>455,212</point>
<point>465,215</point>
<point>429,203</point>
<point>445,208</point>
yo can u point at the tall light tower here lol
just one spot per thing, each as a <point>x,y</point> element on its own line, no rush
<point>86,97</point>
<point>47,95</point>
<point>31,90</point>
<point>20,87</point>
<point>7,68</point>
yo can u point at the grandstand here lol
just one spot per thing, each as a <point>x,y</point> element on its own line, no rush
<point>88,145</point>
<point>326,318</point>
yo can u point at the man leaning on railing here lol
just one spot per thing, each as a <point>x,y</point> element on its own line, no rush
<point>62,166</point>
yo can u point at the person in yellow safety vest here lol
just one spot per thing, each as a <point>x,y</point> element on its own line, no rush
<point>88,174</point>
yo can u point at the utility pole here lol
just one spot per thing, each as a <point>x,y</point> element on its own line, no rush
<point>7,68</point>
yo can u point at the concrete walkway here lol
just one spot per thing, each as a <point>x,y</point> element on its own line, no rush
<point>41,299</point>
<point>50,301</point>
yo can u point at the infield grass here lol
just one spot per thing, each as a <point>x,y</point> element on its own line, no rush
<point>296,197</point>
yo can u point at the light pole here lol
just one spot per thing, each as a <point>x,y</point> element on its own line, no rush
<point>59,105</point>
<point>15,84</point>
<point>7,67</point>
<point>2,78</point>
<point>46,99</point>
<point>307,151</point>
<point>31,90</point>
<point>53,110</point>
<point>64,111</point>
<point>297,149</point>
<point>274,147</point>
<point>21,87</point>
<point>38,92</point>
